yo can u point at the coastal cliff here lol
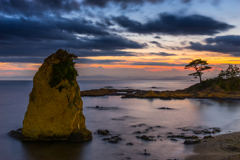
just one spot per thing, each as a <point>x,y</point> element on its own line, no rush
<point>55,110</point>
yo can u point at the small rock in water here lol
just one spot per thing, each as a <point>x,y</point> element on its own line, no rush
<point>197,131</point>
<point>137,132</point>
<point>97,106</point>
<point>103,132</point>
<point>185,129</point>
<point>129,144</point>
<point>16,133</point>
<point>145,153</point>
<point>165,108</point>
<point>139,125</point>
<point>173,139</point>
<point>114,139</point>
<point>146,138</point>
<point>206,131</point>
<point>216,129</point>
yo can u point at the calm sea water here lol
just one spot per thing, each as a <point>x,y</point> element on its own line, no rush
<point>120,115</point>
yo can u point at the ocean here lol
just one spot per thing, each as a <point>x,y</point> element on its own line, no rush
<point>119,117</point>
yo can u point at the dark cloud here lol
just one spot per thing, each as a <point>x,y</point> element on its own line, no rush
<point>232,40</point>
<point>126,3</point>
<point>157,44</point>
<point>18,48</point>
<point>27,37</point>
<point>111,42</point>
<point>156,64</point>
<point>92,61</point>
<point>123,3</point>
<point>84,53</point>
<point>47,29</point>
<point>41,60</point>
<point>22,59</point>
<point>157,37</point>
<point>163,54</point>
<point>229,44</point>
<point>106,44</point>
<point>174,25</point>
<point>38,7</point>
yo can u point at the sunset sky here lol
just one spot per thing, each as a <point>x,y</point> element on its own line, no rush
<point>119,39</point>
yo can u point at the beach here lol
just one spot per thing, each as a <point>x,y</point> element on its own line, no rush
<point>222,147</point>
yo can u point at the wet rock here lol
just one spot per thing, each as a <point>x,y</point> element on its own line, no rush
<point>169,133</point>
<point>207,137</point>
<point>206,131</point>
<point>192,141</point>
<point>103,132</point>
<point>145,153</point>
<point>104,108</point>
<point>158,136</point>
<point>197,131</point>
<point>129,144</point>
<point>185,129</point>
<point>165,108</point>
<point>158,127</point>
<point>16,133</point>
<point>190,137</point>
<point>139,125</point>
<point>176,136</point>
<point>108,87</point>
<point>216,129</point>
<point>146,138</point>
<point>128,158</point>
<point>173,139</point>
<point>123,118</point>
<point>114,139</point>
<point>137,132</point>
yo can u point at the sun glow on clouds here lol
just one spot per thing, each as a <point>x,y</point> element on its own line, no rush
<point>111,35</point>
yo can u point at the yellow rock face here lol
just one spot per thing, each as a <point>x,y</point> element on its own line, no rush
<point>51,114</point>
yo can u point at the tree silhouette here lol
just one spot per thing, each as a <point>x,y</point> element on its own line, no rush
<point>230,72</point>
<point>199,65</point>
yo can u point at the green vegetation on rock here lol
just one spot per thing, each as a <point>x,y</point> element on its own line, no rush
<point>227,80</point>
<point>64,69</point>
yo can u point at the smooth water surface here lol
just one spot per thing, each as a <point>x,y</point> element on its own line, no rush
<point>160,85</point>
<point>118,118</point>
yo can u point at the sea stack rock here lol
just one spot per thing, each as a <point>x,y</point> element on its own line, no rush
<point>55,110</point>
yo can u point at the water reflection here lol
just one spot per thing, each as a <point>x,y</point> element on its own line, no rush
<point>54,150</point>
<point>118,116</point>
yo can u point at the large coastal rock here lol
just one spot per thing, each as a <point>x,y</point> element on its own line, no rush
<point>54,113</point>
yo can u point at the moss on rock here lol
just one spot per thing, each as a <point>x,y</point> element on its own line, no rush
<point>55,109</point>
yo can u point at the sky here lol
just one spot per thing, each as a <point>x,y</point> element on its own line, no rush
<point>119,39</point>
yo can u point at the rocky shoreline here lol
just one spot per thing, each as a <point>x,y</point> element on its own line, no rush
<point>222,147</point>
<point>164,95</point>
